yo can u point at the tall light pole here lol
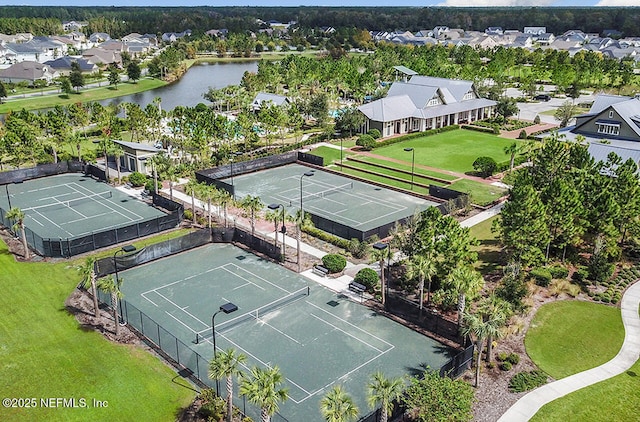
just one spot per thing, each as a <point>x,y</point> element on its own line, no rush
<point>301,217</point>
<point>379,246</point>
<point>227,308</point>
<point>153,169</point>
<point>341,153</point>
<point>124,249</point>
<point>413,162</point>
<point>283,229</point>
<point>6,187</point>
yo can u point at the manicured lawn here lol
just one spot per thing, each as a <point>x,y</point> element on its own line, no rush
<point>407,167</point>
<point>329,154</point>
<point>46,354</point>
<point>568,337</point>
<point>85,96</point>
<point>481,193</point>
<point>488,250</point>
<point>615,399</point>
<point>455,150</point>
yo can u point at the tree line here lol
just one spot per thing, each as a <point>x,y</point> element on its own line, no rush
<point>120,21</point>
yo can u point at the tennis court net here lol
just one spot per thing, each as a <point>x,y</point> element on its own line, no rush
<point>69,203</point>
<point>327,192</point>
<point>256,314</point>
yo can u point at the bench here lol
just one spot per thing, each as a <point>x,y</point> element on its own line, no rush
<point>320,270</point>
<point>356,287</point>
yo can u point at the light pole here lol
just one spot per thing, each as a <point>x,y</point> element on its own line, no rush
<point>413,162</point>
<point>124,249</point>
<point>301,217</point>
<point>6,187</point>
<point>233,155</point>
<point>274,207</point>
<point>341,153</point>
<point>227,308</point>
<point>379,246</point>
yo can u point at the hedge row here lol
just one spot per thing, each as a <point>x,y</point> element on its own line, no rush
<point>492,130</point>
<point>429,132</point>
<point>327,237</point>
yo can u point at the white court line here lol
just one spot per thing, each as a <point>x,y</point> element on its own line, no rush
<point>53,223</point>
<point>181,280</point>
<point>180,321</point>
<point>347,333</point>
<point>104,202</point>
<point>242,278</point>
<point>256,276</point>
<point>182,309</point>
<point>263,322</point>
<point>144,296</point>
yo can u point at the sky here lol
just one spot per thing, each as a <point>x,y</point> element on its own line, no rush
<point>415,3</point>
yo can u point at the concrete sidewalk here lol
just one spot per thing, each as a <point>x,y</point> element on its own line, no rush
<point>527,406</point>
<point>482,216</point>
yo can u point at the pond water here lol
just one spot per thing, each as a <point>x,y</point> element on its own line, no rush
<point>189,90</point>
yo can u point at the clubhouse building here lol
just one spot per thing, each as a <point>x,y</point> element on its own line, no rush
<point>424,102</point>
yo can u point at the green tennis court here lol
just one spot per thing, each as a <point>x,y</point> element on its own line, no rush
<point>317,337</point>
<point>72,205</point>
<point>355,204</point>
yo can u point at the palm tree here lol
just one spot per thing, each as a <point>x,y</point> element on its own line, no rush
<point>465,281</point>
<point>112,286</point>
<point>338,406</point>
<point>423,268</point>
<point>223,198</point>
<point>495,311</point>
<point>117,152</point>
<point>253,205</point>
<point>225,365</point>
<point>382,392</point>
<point>476,326</point>
<point>262,388</point>
<point>17,215</point>
<point>511,151</point>
<point>88,271</point>
<point>191,188</point>
<point>274,216</point>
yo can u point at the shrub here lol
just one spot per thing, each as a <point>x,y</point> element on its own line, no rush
<point>374,133</point>
<point>150,185</point>
<point>512,358</point>
<point>525,381</point>
<point>334,262</point>
<point>523,134</point>
<point>541,276</point>
<point>536,120</point>
<point>358,248</point>
<point>486,166</point>
<point>505,366</point>
<point>502,356</point>
<point>580,275</point>
<point>558,271</point>
<point>366,142</point>
<point>367,277</point>
<point>137,179</point>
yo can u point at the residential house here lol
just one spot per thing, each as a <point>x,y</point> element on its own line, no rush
<point>102,57</point>
<point>174,36</point>
<point>425,103</point>
<point>611,117</point>
<point>535,30</point>
<point>28,71</point>
<point>263,98</point>
<point>494,30</point>
<point>62,65</point>
<point>98,38</point>
<point>70,26</point>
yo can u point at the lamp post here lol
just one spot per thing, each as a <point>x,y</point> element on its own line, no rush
<point>301,217</point>
<point>155,174</point>
<point>413,162</point>
<point>283,229</point>
<point>227,308</point>
<point>233,155</point>
<point>124,249</point>
<point>379,246</point>
<point>341,153</point>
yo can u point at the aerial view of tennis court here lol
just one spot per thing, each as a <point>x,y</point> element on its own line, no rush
<point>350,202</point>
<point>71,205</point>
<point>317,337</point>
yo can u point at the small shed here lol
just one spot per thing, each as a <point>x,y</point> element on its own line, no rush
<point>136,155</point>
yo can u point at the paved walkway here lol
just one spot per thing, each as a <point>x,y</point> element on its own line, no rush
<point>527,406</point>
<point>482,216</point>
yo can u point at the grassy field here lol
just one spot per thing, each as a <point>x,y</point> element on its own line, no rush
<point>330,154</point>
<point>488,250</point>
<point>568,337</point>
<point>85,96</point>
<point>454,150</point>
<point>481,193</point>
<point>46,354</point>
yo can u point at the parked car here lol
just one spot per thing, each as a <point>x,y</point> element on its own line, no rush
<point>542,97</point>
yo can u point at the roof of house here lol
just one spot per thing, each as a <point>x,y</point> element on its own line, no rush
<point>65,63</point>
<point>27,70</point>
<point>278,100</point>
<point>627,108</point>
<point>137,146</point>
<point>405,70</point>
<point>600,152</point>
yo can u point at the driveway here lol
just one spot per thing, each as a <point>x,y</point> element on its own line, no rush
<point>529,111</point>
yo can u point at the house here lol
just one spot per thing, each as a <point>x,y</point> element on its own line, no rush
<point>103,57</point>
<point>174,36</point>
<point>70,26</point>
<point>611,117</point>
<point>425,103</point>
<point>535,30</point>
<point>28,71</point>
<point>263,97</point>
<point>62,65</point>
<point>98,38</point>
<point>494,30</point>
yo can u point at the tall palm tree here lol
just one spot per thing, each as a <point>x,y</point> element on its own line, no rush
<point>476,326</point>
<point>338,406</point>
<point>263,389</point>
<point>382,392</point>
<point>495,311</point>
<point>117,152</point>
<point>223,199</point>
<point>17,215</point>
<point>511,151</point>
<point>253,205</point>
<point>112,286</point>
<point>191,188</point>
<point>88,271</point>
<point>226,364</point>
<point>465,281</point>
<point>424,268</point>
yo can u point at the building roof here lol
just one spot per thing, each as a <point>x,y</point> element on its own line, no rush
<point>27,70</point>
<point>65,63</point>
<point>137,146</point>
<point>405,70</point>
<point>278,100</point>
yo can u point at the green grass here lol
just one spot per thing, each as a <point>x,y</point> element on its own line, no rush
<point>572,336</point>
<point>488,250</point>
<point>407,167</point>
<point>329,154</point>
<point>481,193</point>
<point>85,96</point>
<point>393,173</point>
<point>45,353</point>
<point>615,399</point>
<point>454,150</point>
